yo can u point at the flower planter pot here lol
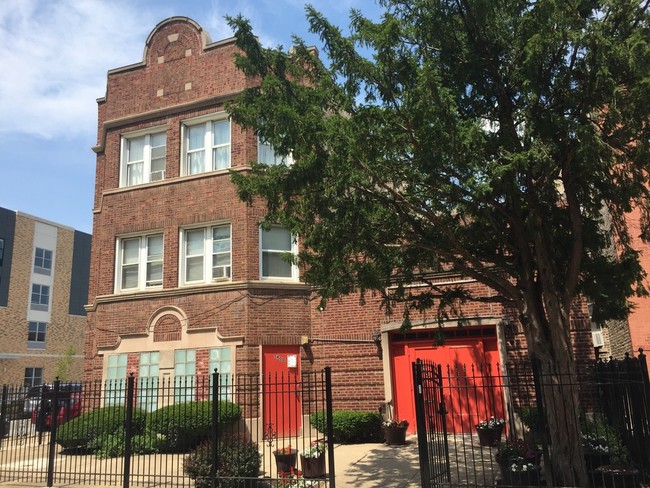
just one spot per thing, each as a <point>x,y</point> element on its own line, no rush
<point>596,459</point>
<point>614,476</point>
<point>395,436</point>
<point>313,467</point>
<point>530,477</point>
<point>286,461</point>
<point>489,436</point>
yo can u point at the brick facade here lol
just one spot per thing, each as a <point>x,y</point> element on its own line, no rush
<point>63,328</point>
<point>183,76</point>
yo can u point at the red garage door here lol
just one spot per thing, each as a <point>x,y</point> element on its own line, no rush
<point>472,387</point>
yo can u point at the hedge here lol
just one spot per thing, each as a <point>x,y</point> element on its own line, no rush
<point>350,427</point>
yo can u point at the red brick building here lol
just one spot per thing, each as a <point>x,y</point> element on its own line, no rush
<point>183,280</point>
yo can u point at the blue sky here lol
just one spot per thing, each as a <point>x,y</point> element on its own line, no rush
<point>54,57</point>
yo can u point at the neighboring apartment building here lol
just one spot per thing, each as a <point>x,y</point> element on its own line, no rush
<point>44,271</point>
<point>184,280</point>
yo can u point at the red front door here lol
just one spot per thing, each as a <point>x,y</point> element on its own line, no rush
<point>281,390</point>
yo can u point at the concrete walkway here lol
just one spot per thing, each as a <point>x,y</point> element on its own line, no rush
<point>357,466</point>
<point>377,465</point>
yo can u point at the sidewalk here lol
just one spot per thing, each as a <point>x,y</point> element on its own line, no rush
<point>377,465</point>
<point>357,466</point>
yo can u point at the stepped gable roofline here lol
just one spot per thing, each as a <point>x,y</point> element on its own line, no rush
<point>203,35</point>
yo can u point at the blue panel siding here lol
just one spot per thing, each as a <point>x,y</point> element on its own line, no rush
<point>7,232</point>
<point>80,273</point>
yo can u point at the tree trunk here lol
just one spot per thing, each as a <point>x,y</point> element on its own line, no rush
<point>550,348</point>
<point>557,383</point>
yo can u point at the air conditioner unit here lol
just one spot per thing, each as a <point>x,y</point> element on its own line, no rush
<point>597,338</point>
<point>157,175</point>
<point>220,273</point>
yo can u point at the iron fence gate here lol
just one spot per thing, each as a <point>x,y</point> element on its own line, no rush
<point>192,431</point>
<point>431,424</point>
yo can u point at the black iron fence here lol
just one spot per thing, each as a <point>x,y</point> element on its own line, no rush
<point>270,431</point>
<point>485,426</point>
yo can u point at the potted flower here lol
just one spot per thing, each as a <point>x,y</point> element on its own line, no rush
<point>291,478</point>
<point>596,450</point>
<point>312,459</point>
<point>395,431</point>
<point>285,459</point>
<point>517,452</point>
<point>615,475</point>
<point>489,431</point>
<point>521,473</point>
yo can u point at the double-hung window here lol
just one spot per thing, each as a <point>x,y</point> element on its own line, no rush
<point>140,262</point>
<point>206,254</point>
<point>143,158</point>
<point>278,246</point>
<point>40,297</point>
<point>267,155</point>
<point>43,261</point>
<point>36,335</point>
<point>207,146</point>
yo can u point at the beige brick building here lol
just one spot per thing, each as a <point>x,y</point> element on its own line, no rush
<point>43,289</point>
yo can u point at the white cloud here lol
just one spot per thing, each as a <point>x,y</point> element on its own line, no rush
<point>55,56</point>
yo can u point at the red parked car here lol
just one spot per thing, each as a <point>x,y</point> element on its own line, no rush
<point>69,407</point>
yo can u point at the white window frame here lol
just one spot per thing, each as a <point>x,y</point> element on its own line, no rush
<point>40,334</point>
<point>43,261</point>
<point>33,377</point>
<point>148,175</point>
<point>43,294</point>
<point>144,261</point>
<point>266,155</point>
<point>207,255</point>
<point>293,250</point>
<point>209,146</point>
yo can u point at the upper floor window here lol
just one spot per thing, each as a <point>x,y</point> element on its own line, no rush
<point>267,155</point>
<point>277,244</point>
<point>206,254</point>
<point>143,158</point>
<point>140,262</point>
<point>36,335</point>
<point>207,146</point>
<point>40,297</point>
<point>42,261</point>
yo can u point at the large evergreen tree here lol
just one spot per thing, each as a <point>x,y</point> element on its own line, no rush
<point>494,138</point>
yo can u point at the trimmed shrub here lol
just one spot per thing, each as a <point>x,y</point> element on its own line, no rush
<point>350,427</point>
<point>239,458</point>
<point>92,429</point>
<point>184,426</point>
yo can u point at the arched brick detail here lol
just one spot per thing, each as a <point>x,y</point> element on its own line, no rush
<point>167,325</point>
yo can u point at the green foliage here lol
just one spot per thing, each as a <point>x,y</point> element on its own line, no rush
<point>350,427</point>
<point>95,429</point>
<point>240,458</point>
<point>63,365</point>
<point>597,431</point>
<point>185,425</point>
<point>484,137</point>
<point>113,445</point>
